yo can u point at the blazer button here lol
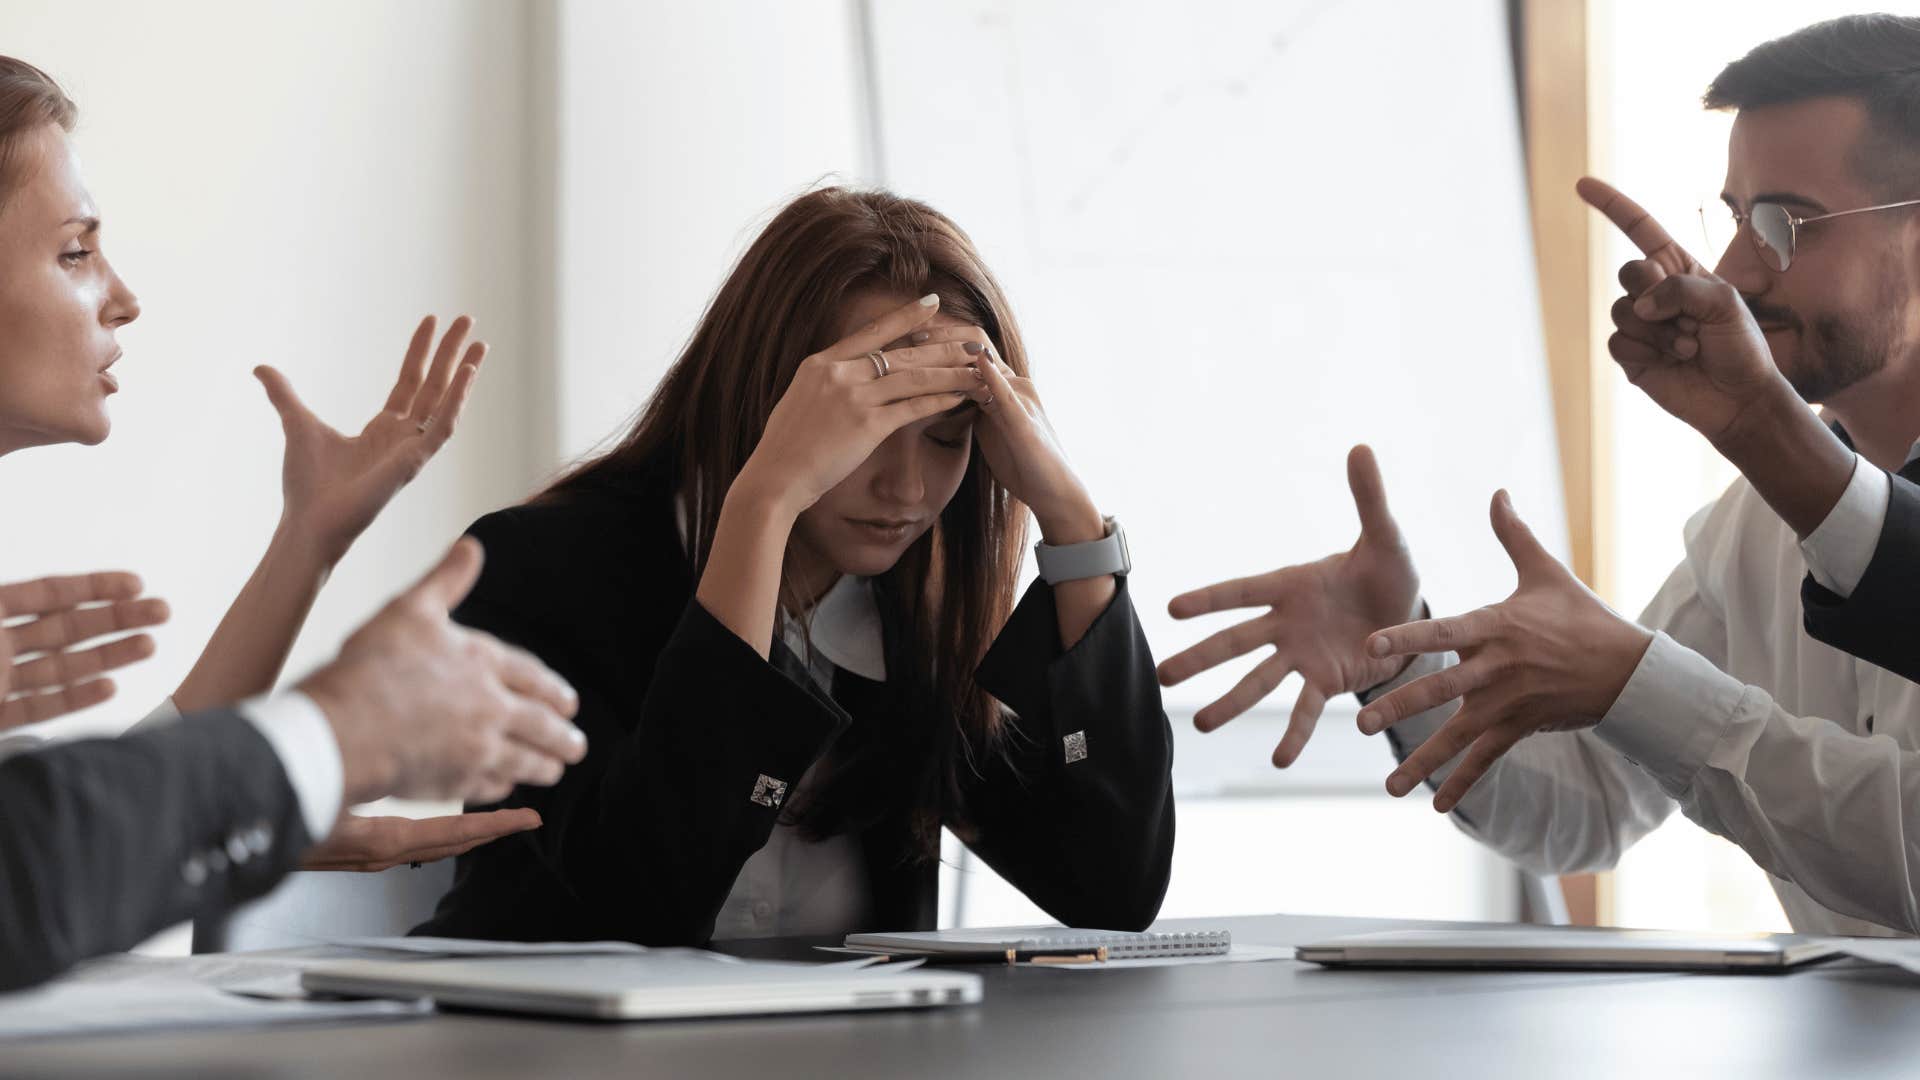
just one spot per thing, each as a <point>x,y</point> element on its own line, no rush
<point>260,839</point>
<point>194,871</point>
<point>217,861</point>
<point>237,850</point>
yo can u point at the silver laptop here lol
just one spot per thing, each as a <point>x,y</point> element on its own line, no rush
<point>660,984</point>
<point>1569,947</point>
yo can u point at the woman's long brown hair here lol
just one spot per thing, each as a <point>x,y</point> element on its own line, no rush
<point>950,593</point>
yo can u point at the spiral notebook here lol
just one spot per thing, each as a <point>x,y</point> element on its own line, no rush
<point>1041,944</point>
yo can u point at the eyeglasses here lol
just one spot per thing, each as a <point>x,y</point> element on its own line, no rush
<point>1776,232</point>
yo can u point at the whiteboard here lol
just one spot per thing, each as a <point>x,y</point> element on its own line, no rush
<point>1240,236</point>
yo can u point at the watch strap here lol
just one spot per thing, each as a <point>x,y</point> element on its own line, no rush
<point>1094,558</point>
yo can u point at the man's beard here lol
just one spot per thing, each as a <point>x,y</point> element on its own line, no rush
<point>1838,350</point>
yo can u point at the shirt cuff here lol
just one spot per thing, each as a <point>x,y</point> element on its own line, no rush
<point>300,735</point>
<point>1672,712</point>
<point>164,713</point>
<point>1837,553</point>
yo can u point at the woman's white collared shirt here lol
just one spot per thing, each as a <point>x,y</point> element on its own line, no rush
<point>795,885</point>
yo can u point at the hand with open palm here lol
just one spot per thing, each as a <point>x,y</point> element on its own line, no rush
<point>1317,621</point>
<point>335,485</point>
<point>1550,657</point>
<point>369,845</point>
<point>50,664</point>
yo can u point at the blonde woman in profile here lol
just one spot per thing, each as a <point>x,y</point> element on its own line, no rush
<point>104,842</point>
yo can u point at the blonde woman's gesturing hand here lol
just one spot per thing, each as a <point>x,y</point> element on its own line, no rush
<point>334,485</point>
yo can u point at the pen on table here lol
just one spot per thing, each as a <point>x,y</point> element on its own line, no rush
<point>1078,958</point>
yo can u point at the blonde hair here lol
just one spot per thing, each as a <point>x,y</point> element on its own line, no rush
<point>29,100</point>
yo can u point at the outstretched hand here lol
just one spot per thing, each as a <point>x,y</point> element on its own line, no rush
<point>1550,657</point>
<point>424,708</point>
<point>1317,620</point>
<point>48,666</point>
<point>335,485</point>
<point>371,844</point>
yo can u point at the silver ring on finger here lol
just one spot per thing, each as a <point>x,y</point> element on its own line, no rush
<point>880,365</point>
<point>425,424</point>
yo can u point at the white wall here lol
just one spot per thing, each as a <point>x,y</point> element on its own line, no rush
<point>1227,270</point>
<point>293,184</point>
<point>682,127</point>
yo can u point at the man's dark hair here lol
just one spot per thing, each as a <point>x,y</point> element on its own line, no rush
<point>1873,59</point>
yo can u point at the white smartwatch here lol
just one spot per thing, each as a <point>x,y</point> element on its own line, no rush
<point>1095,558</point>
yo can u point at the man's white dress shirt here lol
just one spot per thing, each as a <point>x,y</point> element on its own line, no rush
<point>1806,757</point>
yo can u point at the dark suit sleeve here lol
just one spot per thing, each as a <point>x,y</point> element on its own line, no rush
<point>1089,840</point>
<point>105,842</point>
<point>1880,621</point>
<point>650,832</point>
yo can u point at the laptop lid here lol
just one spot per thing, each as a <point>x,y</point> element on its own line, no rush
<point>659,984</point>
<point>1569,947</point>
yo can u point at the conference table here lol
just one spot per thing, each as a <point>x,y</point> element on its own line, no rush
<point>1274,1018</point>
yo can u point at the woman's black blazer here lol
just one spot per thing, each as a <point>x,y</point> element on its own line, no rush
<point>693,740</point>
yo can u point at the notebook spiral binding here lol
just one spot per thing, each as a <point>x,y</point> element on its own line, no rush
<point>1124,946</point>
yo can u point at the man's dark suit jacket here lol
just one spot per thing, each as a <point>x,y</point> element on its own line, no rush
<point>690,731</point>
<point>105,842</point>
<point>1880,620</point>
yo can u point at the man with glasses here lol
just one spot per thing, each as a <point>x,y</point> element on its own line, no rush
<point>1860,526</point>
<point>1717,701</point>
<point>1858,516</point>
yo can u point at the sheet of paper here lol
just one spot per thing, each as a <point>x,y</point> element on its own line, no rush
<point>276,973</point>
<point>864,959</point>
<point>1898,952</point>
<point>263,976</point>
<point>134,994</point>
<point>438,946</point>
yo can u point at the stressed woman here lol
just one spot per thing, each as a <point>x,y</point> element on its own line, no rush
<point>61,307</point>
<point>786,598</point>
